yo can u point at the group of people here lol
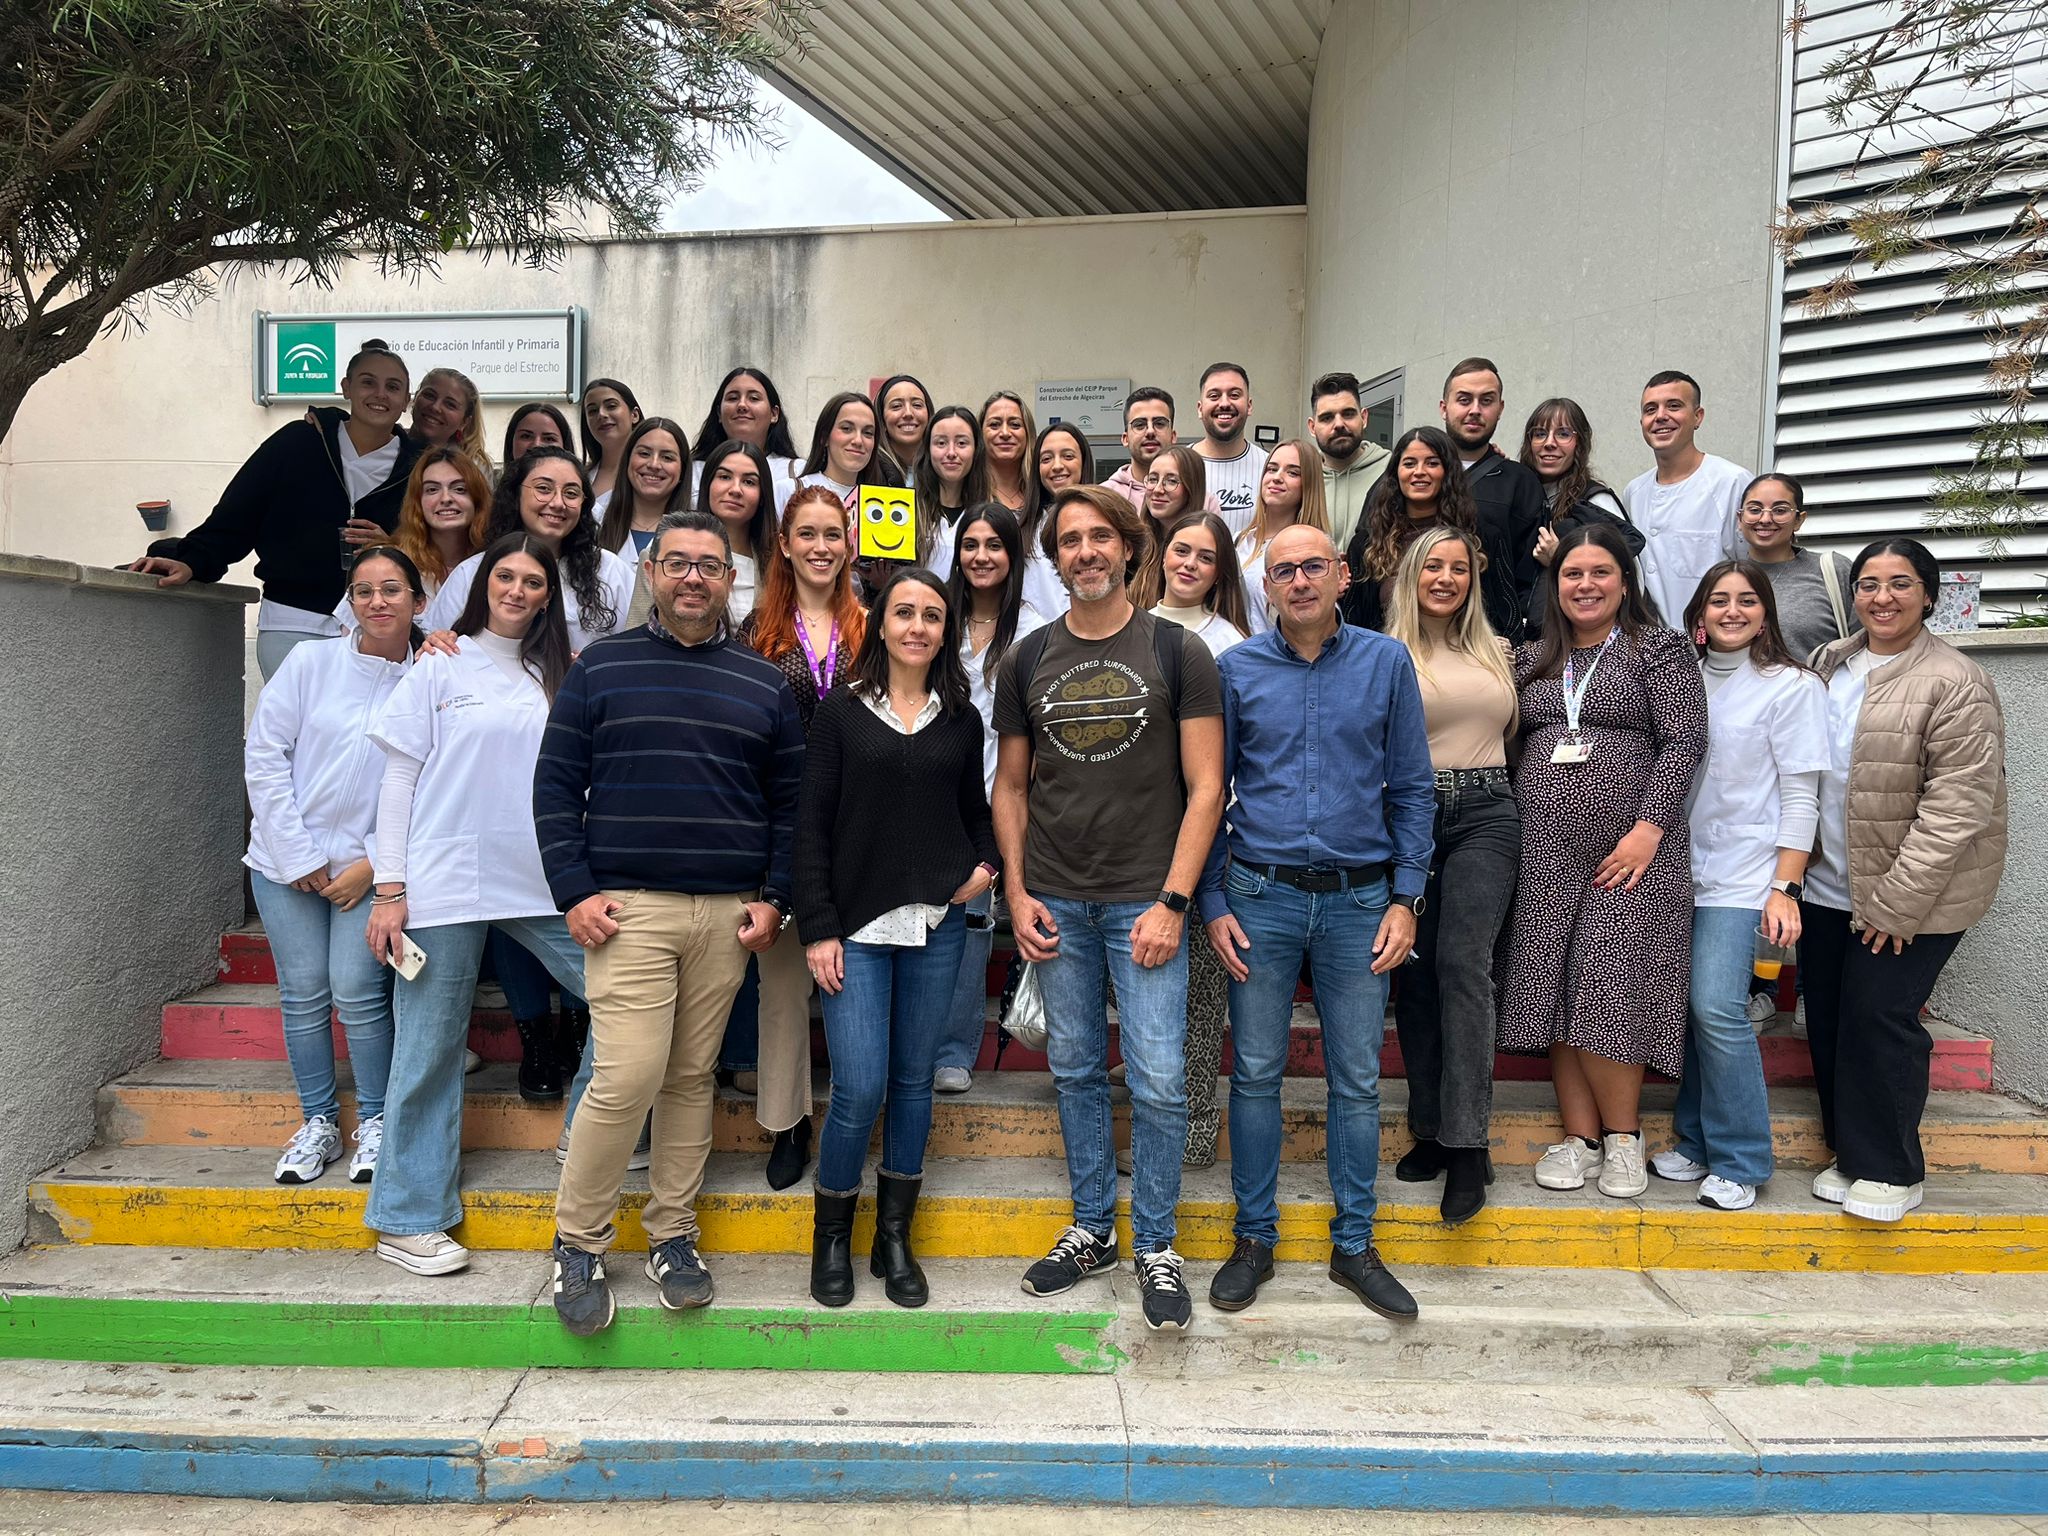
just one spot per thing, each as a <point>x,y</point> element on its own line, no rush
<point>1546,763</point>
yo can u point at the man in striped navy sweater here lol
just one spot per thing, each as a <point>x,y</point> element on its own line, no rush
<point>665,803</point>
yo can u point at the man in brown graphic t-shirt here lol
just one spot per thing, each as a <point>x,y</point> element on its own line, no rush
<point>1109,784</point>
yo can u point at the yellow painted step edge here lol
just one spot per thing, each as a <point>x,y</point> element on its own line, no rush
<point>1613,1235</point>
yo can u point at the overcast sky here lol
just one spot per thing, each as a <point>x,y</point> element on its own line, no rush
<point>815,177</point>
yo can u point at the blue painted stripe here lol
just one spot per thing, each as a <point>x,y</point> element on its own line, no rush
<point>1993,1479</point>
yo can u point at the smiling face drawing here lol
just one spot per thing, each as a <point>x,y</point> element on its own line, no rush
<point>888,523</point>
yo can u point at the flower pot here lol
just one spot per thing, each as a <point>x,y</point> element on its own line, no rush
<point>1958,604</point>
<point>156,515</point>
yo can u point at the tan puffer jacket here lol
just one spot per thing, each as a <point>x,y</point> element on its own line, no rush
<point>1926,789</point>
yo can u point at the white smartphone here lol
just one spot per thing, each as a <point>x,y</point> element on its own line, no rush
<point>410,958</point>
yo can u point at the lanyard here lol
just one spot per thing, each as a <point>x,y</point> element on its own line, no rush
<point>821,675</point>
<point>1575,691</point>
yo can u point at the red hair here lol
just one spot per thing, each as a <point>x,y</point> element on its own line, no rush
<point>774,613</point>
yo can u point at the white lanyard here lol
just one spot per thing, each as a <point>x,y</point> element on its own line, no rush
<point>1575,691</point>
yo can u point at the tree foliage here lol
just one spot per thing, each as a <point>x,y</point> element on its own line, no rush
<point>145,142</point>
<point>1949,102</point>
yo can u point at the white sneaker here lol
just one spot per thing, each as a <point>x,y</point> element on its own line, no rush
<point>1725,1194</point>
<point>313,1146</point>
<point>1799,1018</point>
<point>1829,1185</point>
<point>952,1080</point>
<point>1674,1165</point>
<point>369,1142</point>
<point>637,1163</point>
<point>1623,1176</point>
<point>425,1253</point>
<point>471,1062</point>
<point>1875,1200</point>
<point>1763,1007</point>
<point>1568,1164</point>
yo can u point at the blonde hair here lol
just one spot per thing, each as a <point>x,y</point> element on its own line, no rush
<point>1314,511</point>
<point>1469,633</point>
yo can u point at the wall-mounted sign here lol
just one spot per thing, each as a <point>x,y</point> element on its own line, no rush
<point>1096,406</point>
<point>508,354</point>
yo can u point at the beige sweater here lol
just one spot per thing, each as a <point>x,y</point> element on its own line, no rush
<point>1927,794</point>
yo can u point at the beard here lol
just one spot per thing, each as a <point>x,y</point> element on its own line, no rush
<point>1090,586</point>
<point>1342,445</point>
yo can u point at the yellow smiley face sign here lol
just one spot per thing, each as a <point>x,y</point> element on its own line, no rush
<point>888,523</point>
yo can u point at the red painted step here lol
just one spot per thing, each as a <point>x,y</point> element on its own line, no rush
<point>241,1023</point>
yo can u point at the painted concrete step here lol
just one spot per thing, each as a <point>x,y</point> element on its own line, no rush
<point>502,1437</point>
<point>1015,1114</point>
<point>240,1022</point>
<point>1015,1208</point>
<point>194,1306</point>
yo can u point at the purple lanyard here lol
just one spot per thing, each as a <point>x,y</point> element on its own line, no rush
<point>821,676</point>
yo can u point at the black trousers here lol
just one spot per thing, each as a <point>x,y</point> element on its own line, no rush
<point>1870,1050</point>
<point>1443,1002</point>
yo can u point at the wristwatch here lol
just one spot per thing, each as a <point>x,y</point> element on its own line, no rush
<point>1790,888</point>
<point>1173,901</point>
<point>782,907</point>
<point>1414,904</point>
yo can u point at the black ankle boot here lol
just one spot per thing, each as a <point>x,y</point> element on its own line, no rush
<point>1470,1171</point>
<point>572,1035</point>
<point>1423,1161</point>
<point>540,1076</point>
<point>832,1248</point>
<point>891,1259</point>
<point>790,1155</point>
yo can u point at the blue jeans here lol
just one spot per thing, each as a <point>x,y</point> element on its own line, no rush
<point>882,1027</point>
<point>418,1186</point>
<point>1336,931</point>
<point>967,1013</point>
<point>324,967</point>
<point>1723,1115</point>
<point>527,985</point>
<point>1152,1004</point>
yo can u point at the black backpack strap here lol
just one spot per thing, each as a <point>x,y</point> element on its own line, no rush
<point>1028,652</point>
<point>1167,639</point>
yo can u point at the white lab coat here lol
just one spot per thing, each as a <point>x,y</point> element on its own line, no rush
<point>310,766</point>
<point>470,854</point>
<point>1761,727</point>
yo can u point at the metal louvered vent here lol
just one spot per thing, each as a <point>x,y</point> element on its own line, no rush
<point>1872,406</point>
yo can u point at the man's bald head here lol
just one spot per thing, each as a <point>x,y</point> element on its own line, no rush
<point>1298,541</point>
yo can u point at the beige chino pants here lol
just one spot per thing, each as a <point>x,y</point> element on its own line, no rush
<point>784,1096</point>
<point>659,990</point>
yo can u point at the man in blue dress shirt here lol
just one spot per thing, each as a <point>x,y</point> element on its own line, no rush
<point>1324,853</point>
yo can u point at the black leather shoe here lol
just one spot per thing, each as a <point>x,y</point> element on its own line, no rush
<point>832,1249</point>
<point>1465,1184</point>
<point>572,1036</point>
<point>1236,1284</point>
<point>1373,1283</point>
<point>1423,1161</point>
<point>891,1260</point>
<point>790,1155</point>
<point>540,1076</point>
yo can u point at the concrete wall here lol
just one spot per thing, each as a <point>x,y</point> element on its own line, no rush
<point>167,411</point>
<point>1993,983</point>
<point>120,764</point>
<point>1579,189</point>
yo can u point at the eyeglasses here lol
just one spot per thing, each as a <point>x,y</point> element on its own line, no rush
<point>1558,434</point>
<point>1898,586</point>
<point>676,567</point>
<point>391,592</point>
<point>1315,570</point>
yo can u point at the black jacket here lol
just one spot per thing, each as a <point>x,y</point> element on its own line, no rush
<point>1511,508</point>
<point>288,504</point>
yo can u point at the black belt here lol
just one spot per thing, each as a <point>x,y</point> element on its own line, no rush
<point>1465,778</point>
<point>1321,881</point>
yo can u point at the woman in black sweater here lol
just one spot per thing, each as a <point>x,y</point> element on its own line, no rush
<point>305,502</point>
<point>893,838</point>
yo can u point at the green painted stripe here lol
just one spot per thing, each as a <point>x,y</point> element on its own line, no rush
<point>1901,1365</point>
<point>497,1337</point>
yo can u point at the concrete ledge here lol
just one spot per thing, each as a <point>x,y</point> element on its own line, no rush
<point>2031,638</point>
<point>108,578</point>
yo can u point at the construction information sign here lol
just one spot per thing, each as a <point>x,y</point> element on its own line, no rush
<point>507,354</point>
